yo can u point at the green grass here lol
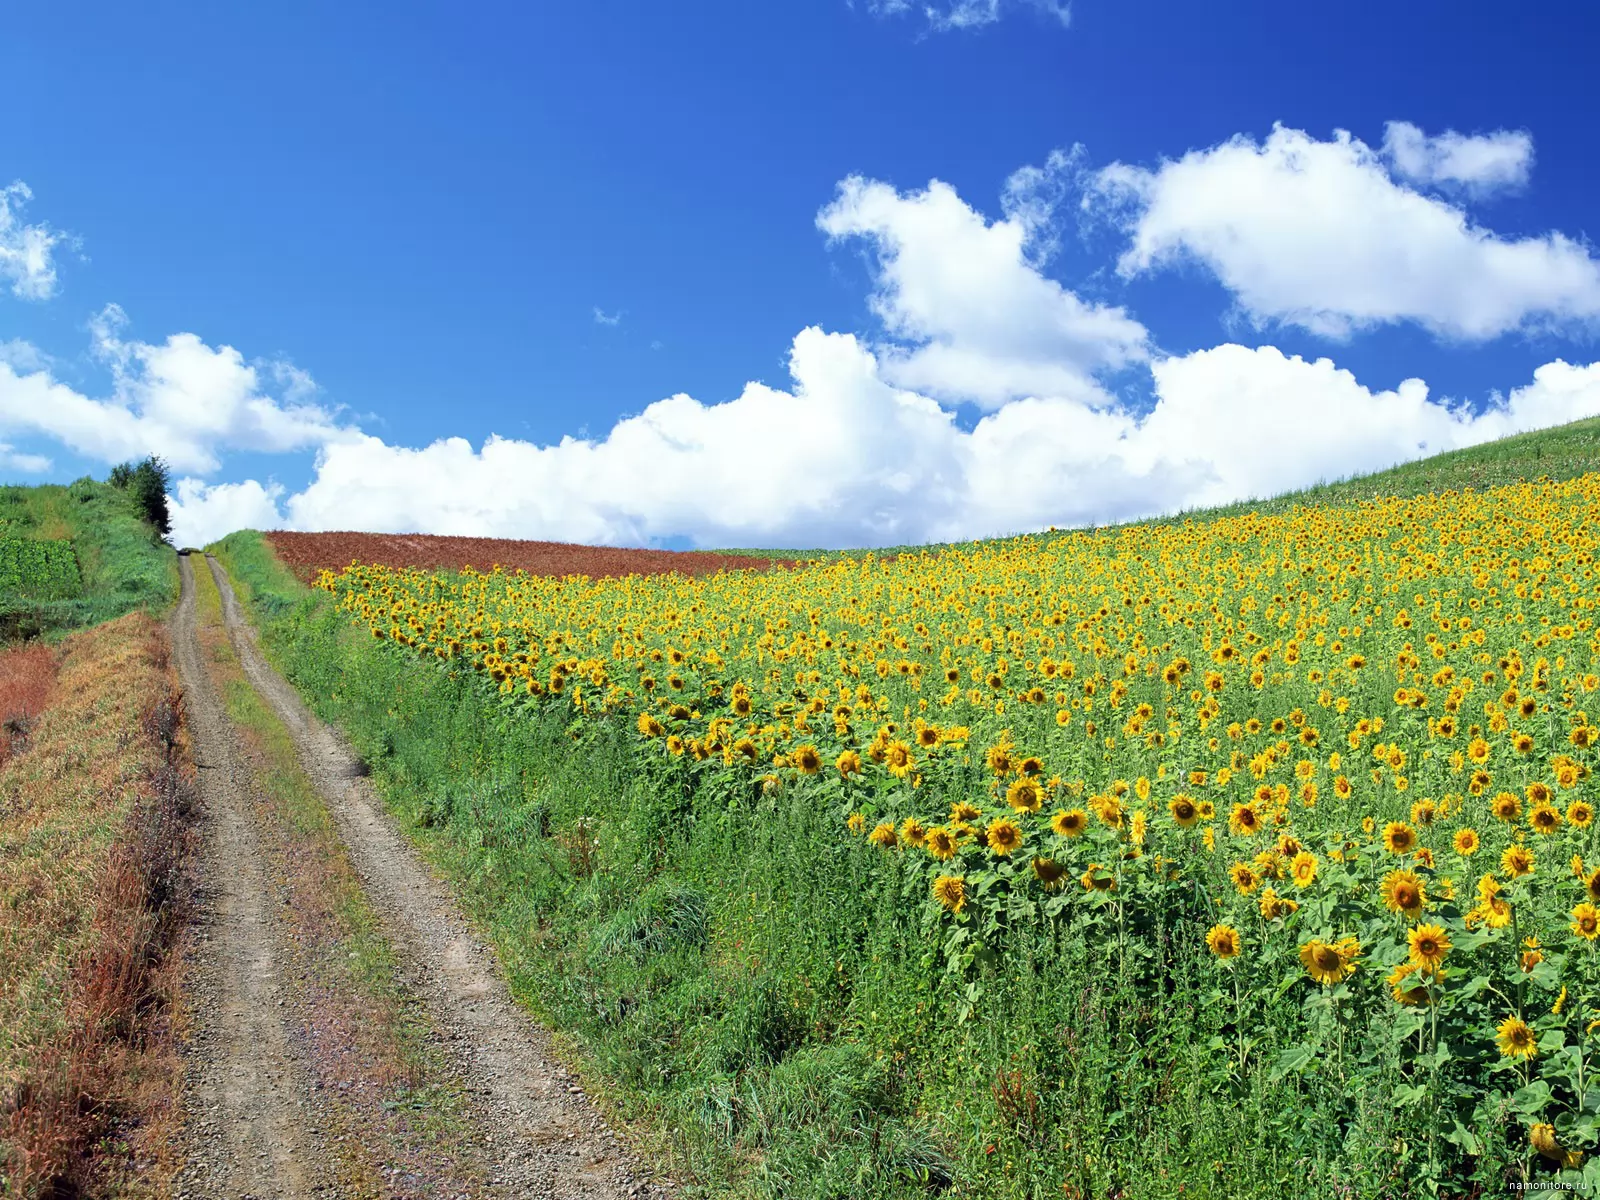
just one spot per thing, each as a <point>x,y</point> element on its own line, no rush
<point>123,564</point>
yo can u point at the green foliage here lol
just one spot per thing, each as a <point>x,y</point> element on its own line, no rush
<point>146,484</point>
<point>38,570</point>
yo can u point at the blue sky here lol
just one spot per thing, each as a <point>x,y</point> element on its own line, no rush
<point>412,225</point>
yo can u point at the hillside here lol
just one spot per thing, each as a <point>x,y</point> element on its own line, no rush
<point>122,563</point>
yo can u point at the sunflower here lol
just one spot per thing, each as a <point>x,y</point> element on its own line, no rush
<point>1000,760</point>
<point>1514,1039</point>
<point>1303,869</point>
<point>1274,906</point>
<point>1326,963</point>
<point>951,892</point>
<point>1399,838</point>
<point>1466,842</point>
<point>897,757</point>
<point>1024,795</point>
<point>1491,911</point>
<point>1591,884</point>
<point>941,843</point>
<point>1070,823</point>
<point>1580,814</point>
<point>1506,806</point>
<point>883,834</point>
<point>1049,872</point>
<point>961,811</point>
<point>1539,793</point>
<point>913,832</point>
<point>1244,821</point>
<point>1411,997</point>
<point>1542,1137</point>
<point>1094,881</point>
<point>1223,941</point>
<point>1429,944</point>
<point>1586,921</point>
<point>856,822</point>
<point>1004,836</point>
<point>1184,810</point>
<point>1404,893</point>
<point>928,736</point>
<point>1244,877</point>
<point>1543,818</point>
<point>1517,861</point>
<point>806,760</point>
<point>1108,809</point>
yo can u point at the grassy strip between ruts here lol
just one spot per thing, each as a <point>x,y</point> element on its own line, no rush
<point>94,834</point>
<point>388,1103</point>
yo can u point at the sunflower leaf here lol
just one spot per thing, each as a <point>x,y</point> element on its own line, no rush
<point>1294,1059</point>
<point>1531,1099</point>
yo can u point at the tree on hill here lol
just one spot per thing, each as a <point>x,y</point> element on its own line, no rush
<point>146,484</point>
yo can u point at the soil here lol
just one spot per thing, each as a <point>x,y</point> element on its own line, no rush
<point>307,553</point>
<point>543,1135</point>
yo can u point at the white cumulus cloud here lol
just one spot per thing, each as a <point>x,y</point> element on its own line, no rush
<point>1320,234</point>
<point>12,459</point>
<point>1481,163</point>
<point>971,315</point>
<point>202,513</point>
<point>27,252</point>
<point>181,398</point>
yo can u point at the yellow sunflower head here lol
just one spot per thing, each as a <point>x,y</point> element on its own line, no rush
<point>1223,941</point>
<point>1404,893</point>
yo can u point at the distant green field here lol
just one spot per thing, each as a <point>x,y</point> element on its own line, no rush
<point>75,556</point>
<point>1560,453</point>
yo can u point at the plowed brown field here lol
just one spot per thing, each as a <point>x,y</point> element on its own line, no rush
<point>307,553</point>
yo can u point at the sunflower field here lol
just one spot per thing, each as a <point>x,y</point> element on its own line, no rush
<point>1245,856</point>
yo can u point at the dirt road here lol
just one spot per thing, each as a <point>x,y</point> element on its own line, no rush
<point>248,1087</point>
<point>530,1121</point>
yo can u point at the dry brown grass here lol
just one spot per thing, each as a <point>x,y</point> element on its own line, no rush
<point>94,835</point>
